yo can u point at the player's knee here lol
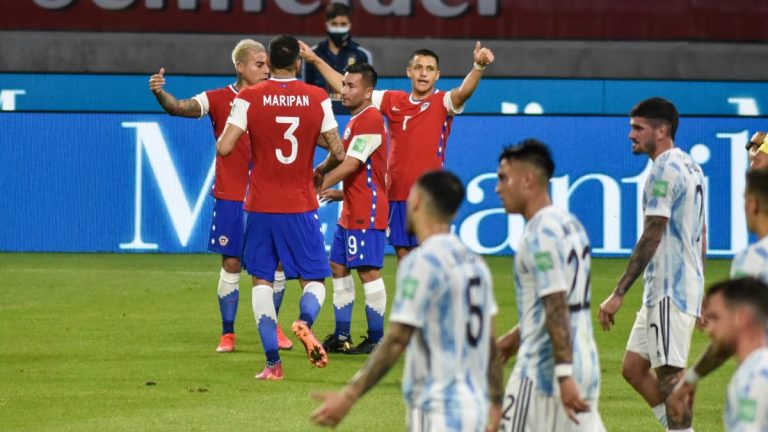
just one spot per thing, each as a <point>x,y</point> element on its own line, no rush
<point>368,274</point>
<point>231,265</point>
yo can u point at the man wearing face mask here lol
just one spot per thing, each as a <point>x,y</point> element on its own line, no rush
<point>338,50</point>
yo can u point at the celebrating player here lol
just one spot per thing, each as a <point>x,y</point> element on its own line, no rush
<point>227,226</point>
<point>671,251</point>
<point>284,119</point>
<point>444,313</point>
<point>419,125</point>
<point>359,240</point>
<point>557,352</point>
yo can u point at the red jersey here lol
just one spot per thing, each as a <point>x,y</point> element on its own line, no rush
<point>418,132</point>
<point>365,194</point>
<point>284,119</point>
<point>231,170</point>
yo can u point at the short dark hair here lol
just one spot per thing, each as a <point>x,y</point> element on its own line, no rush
<point>427,53</point>
<point>747,291</point>
<point>445,192</point>
<point>757,185</point>
<point>657,108</point>
<point>532,151</point>
<point>283,51</point>
<point>370,77</point>
<point>335,9</point>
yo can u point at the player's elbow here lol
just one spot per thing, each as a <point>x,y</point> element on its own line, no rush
<point>222,149</point>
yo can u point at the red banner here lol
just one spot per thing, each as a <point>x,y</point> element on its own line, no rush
<point>694,20</point>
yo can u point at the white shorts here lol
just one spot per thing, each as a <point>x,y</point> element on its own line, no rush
<point>418,420</point>
<point>662,334</point>
<point>526,410</point>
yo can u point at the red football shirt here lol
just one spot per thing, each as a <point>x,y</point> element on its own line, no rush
<point>418,133</point>
<point>365,193</point>
<point>231,170</point>
<point>284,119</point>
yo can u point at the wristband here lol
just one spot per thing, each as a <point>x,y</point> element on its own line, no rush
<point>563,370</point>
<point>691,377</point>
<point>478,66</point>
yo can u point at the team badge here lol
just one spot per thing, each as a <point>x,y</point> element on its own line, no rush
<point>351,61</point>
<point>223,240</point>
<point>424,106</point>
<point>346,133</point>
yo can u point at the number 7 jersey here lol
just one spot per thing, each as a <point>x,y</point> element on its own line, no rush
<point>284,119</point>
<point>554,256</point>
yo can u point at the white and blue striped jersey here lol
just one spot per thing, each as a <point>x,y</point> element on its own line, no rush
<point>746,407</point>
<point>675,190</point>
<point>554,256</point>
<point>445,291</point>
<point>752,261</point>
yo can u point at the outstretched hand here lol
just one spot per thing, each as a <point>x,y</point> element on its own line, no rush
<point>157,81</point>
<point>333,409</point>
<point>483,56</point>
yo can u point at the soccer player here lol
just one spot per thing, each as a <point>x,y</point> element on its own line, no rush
<point>443,313</point>
<point>737,311</point>
<point>419,125</point>
<point>284,119</point>
<point>359,240</point>
<point>671,251</point>
<point>557,353</point>
<point>752,261</point>
<point>227,226</point>
<point>757,147</point>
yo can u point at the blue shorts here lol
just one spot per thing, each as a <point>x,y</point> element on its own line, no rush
<point>398,235</point>
<point>227,228</point>
<point>358,248</point>
<point>293,239</point>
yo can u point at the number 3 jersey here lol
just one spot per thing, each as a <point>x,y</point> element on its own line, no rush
<point>445,291</point>
<point>554,256</point>
<point>284,119</point>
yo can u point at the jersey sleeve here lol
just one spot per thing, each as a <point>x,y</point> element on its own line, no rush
<point>239,114</point>
<point>548,261</point>
<point>329,121</point>
<point>662,190</point>
<point>363,146</point>
<point>202,100</point>
<point>752,405</point>
<point>415,280</point>
<point>448,104</point>
<point>378,98</point>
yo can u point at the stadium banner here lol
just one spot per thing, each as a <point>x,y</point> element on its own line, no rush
<point>586,19</point>
<point>130,93</point>
<point>140,182</point>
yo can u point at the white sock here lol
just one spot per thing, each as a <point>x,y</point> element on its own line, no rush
<point>376,295</point>
<point>660,412</point>
<point>280,282</point>
<point>317,289</point>
<point>343,291</point>
<point>228,283</point>
<point>261,300</point>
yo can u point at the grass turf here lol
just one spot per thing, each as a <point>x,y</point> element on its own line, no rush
<point>126,343</point>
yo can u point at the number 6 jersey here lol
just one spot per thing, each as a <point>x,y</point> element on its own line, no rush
<point>554,256</point>
<point>284,119</point>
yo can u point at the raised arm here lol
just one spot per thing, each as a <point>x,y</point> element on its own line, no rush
<point>332,77</point>
<point>645,248</point>
<point>180,108</point>
<point>483,57</point>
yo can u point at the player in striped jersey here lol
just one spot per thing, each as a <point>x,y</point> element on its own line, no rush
<point>671,251</point>
<point>752,261</point>
<point>227,225</point>
<point>555,385</point>
<point>443,313</point>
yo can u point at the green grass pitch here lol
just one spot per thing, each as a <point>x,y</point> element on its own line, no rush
<point>126,343</point>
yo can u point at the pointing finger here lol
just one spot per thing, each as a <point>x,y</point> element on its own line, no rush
<point>162,71</point>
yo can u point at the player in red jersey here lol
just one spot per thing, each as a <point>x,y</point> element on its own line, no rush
<point>227,226</point>
<point>284,119</point>
<point>419,125</point>
<point>359,240</point>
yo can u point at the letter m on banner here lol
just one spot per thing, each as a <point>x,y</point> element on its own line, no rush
<point>149,139</point>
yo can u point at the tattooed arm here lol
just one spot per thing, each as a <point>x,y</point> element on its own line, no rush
<point>180,108</point>
<point>335,156</point>
<point>653,230</point>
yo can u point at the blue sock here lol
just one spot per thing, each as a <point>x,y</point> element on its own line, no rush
<point>311,301</point>
<point>375,305</point>
<point>279,290</point>
<point>343,302</point>
<point>266,320</point>
<point>229,296</point>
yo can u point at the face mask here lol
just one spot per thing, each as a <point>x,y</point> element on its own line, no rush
<point>338,35</point>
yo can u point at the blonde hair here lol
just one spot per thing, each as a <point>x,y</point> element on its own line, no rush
<point>243,48</point>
